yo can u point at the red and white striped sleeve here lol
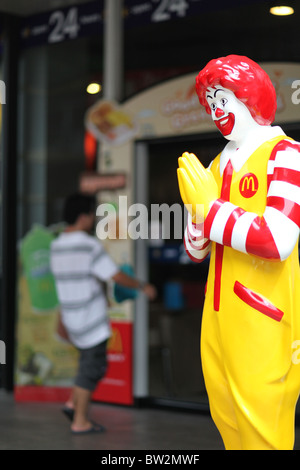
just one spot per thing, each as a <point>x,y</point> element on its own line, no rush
<point>196,246</point>
<point>274,235</point>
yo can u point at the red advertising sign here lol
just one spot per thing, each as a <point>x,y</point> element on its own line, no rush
<point>116,386</point>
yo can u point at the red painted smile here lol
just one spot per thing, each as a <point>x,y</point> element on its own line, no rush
<point>225,124</point>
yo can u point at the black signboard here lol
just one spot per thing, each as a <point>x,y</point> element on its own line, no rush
<point>141,12</point>
<point>63,24</point>
<point>87,19</point>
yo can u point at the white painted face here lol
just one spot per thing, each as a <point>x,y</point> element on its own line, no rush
<point>230,115</point>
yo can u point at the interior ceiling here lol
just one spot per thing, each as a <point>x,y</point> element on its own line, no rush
<point>246,28</point>
<point>30,7</point>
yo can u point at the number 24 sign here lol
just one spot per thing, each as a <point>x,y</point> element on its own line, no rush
<point>65,24</point>
<point>165,9</point>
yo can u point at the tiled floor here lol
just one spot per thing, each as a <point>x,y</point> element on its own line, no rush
<point>42,426</point>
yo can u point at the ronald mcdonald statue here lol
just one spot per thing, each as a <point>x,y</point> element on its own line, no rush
<point>244,211</point>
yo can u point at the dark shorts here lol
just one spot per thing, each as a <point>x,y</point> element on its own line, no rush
<point>92,366</point>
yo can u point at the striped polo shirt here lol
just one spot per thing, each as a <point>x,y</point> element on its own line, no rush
<point>79,263</point>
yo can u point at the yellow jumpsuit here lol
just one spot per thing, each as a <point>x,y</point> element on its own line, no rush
<point>251,380</point>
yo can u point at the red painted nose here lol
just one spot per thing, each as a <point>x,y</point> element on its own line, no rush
<point>219,113</point>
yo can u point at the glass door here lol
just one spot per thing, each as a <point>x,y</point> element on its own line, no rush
<point>171,324</point>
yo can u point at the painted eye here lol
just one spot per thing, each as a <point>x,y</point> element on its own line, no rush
<point>213,106</point>
<point>223,101</point>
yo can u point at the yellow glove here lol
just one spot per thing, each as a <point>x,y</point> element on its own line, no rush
<point>197,185</point>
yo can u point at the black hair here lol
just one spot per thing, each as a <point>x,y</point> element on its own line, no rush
<point>76,205</point>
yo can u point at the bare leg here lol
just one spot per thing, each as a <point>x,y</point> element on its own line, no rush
<point>81,399</point>
<point>70,402</point>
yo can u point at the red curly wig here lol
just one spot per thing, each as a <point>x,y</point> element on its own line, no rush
<point>246,79</point>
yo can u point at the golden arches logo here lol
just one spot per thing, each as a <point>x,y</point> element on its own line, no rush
<point>248,185</point>
<point>115,342</point>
